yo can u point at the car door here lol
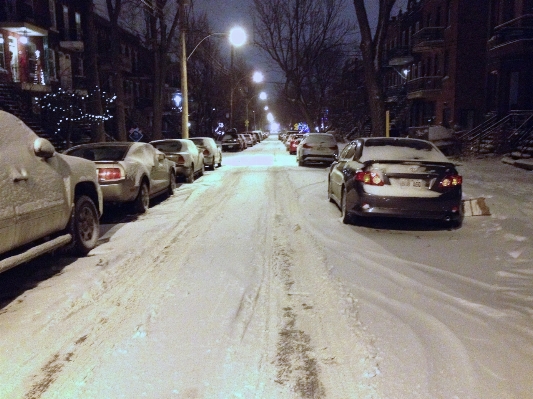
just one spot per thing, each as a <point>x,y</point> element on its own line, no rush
<point>38,188</point>
<point>159,174</point>
<point>7,204</point>
<point>337,174</point>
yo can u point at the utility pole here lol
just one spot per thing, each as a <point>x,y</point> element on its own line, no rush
<point>184,88</point>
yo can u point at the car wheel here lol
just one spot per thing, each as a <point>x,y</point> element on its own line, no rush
<point>190,177</point>
<point>202,170</point>
<point>213,165</point>
<point>346,218</point>
<point>142,202</point>
<point>220,161</point>
<point>172,184</point>
<point>300,162</point>
<point>84,226</point>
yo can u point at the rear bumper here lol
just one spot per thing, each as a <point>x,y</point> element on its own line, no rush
<point>318,157</point>
<point>446,208</point>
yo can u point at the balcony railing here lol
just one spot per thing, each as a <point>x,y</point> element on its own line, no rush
<point>421,87</point>
<point>512,34</point>
<point>428,38</point>
<point>398,56</point>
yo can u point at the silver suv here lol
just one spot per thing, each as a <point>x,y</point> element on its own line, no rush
<point>317,147</point>
<point>47,200</point>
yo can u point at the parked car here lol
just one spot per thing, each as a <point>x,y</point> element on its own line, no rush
<point>212,152</point>
<point>293,146</point>
<point>129,173</point>
<point>395,177</point>
<point>317,147</point>
<point>289,142</point>
<point>47,200</point>
<point>242,142</point>
<point>189,160</point>
<point>248,139</point>
<point>230,141</point>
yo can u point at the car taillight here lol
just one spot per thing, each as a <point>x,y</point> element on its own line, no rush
<point>109,174</point>
<point>180,160</point>
<point>333,147</point>
<point>451,181</point>
<point>206,152</point>
<point>307,145</point>
<point>371,178</point>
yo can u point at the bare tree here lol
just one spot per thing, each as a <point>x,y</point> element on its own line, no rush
<point>298,35</point>
<point>371,50</point>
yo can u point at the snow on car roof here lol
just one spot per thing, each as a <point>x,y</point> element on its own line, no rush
<point>401,149</point>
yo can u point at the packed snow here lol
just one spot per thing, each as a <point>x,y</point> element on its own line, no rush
<point>246,284</point>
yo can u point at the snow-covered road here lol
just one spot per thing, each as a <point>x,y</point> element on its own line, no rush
<point>245,284</point>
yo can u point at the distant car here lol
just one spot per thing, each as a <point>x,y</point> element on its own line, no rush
<point>129,173</point>
<point>395,177</point>
<point>212,152</point>
<point>230,141</point>
<point>47,201</point>
<point>317,148</point>
<point>248,139</point>
<point>189,160</point>
<point>293,146</point>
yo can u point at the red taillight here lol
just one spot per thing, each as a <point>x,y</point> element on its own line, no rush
<point>180,160</point>
<point>371,178</point>
<point>206,152</point>
<point>307,146</point>
<point>333,148</point>
<point>451,181</point>
<point>109,174</point>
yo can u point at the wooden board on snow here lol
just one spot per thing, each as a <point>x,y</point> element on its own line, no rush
<point>476,207</point>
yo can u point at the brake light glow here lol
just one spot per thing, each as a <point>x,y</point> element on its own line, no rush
<point>368,177</point>
<point>110,174</point>
<point>451,181</point>
<point>206,152</point>
<point>180,160</point>
<point>307,145</point>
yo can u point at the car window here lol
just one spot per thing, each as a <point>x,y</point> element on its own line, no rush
<point>401,149</point>
<point>347,153</point>
<point>111,153</point>
<point>321,138</point>
<point>169,146</point>
<point>229,136</point>
<point>199,141</point>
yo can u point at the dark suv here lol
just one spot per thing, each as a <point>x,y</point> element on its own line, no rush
<point>230,141</point>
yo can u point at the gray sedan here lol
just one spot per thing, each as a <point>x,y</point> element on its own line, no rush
<point>129,172</point>
<point>189,161</point>
<point>212,152</point>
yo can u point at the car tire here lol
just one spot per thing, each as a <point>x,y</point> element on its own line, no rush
<point>300,162</point>
<point>172,184</point>
<point>84,226</point>
<point>202,170</point>
<point>142,202</point>
<point>190,177</point>
<point>346,217</point>
<point>220,161</point>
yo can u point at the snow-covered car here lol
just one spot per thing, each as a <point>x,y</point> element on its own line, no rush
<point>47,200</point>
<point>212,152</point>
<point>230,141</point>
<point>189,160</point>
<point>317,147</point>
<point>129,173</point>
<point>395,177</point>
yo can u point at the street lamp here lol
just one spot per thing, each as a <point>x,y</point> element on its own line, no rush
<point>237,37</point>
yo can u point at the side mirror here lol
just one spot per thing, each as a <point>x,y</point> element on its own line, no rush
<point>43,148</point>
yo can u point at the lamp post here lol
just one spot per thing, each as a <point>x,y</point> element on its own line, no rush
<point>262,96</point>
<point>237,37</point>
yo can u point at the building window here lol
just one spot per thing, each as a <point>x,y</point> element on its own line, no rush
<point>66,26</point>
<point>52,10</point>
<point>80,65</point>
<point>79,33</point>
<point>2,54</point>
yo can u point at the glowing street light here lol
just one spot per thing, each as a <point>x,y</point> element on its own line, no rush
<point>237,36</point>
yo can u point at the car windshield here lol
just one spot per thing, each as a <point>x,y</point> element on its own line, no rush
<point>111,153</point>
<point>321,138</point>
<point>201,142</point>
<point>228,136</point>
<point>401,149</point>
<point>169,146</point>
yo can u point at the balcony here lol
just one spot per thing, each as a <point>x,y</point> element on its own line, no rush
<point>513,38</point>
<point>399,56</point>
<point>424,88</point>
<point>428,39</point>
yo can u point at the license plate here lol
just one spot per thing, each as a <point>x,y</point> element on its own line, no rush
<point>412,183</point>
